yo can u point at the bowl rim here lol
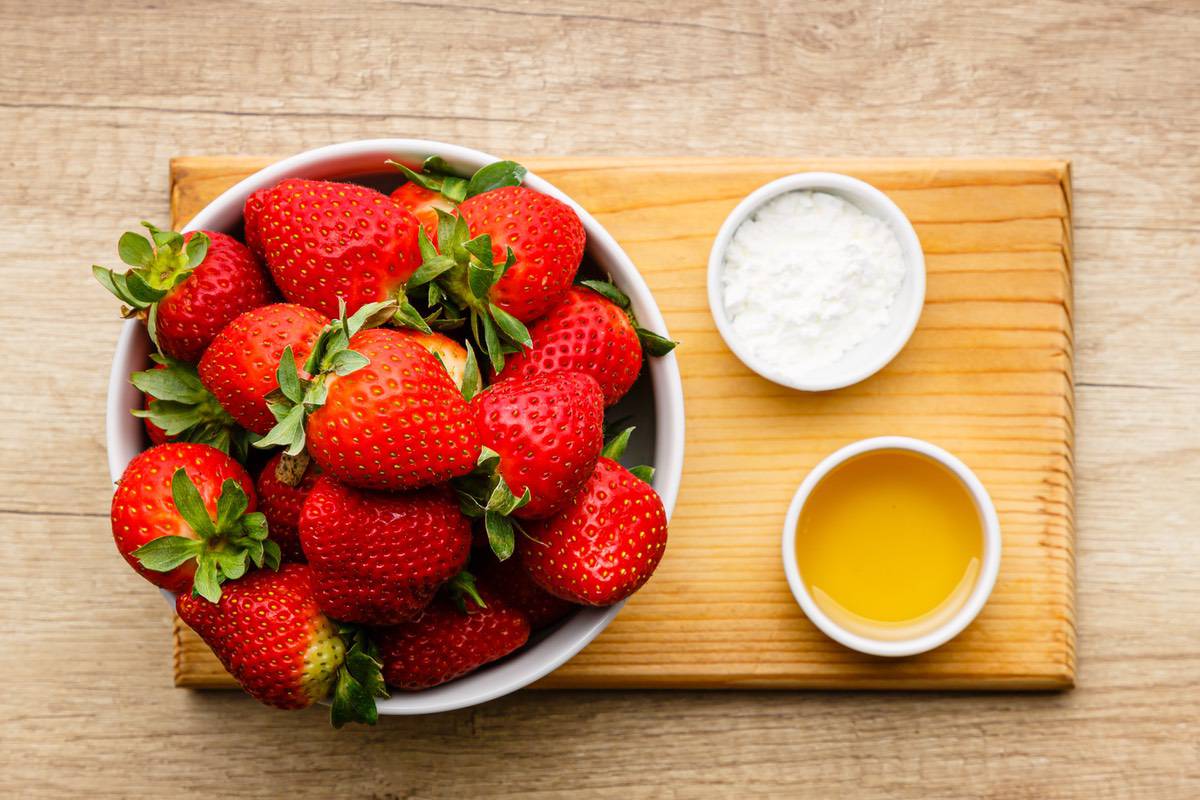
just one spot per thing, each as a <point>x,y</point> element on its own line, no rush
<point>871,201</point>
<point>323,162</point>
<point>980,592</point>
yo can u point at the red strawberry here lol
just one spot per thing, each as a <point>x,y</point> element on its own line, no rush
<point>588,333</point>
<point>398,422</point>
<point>548,432</point>
<point>165,518</point>
<point>379,558</point>
<point>281,504</point>
<point>544,234</point>
<point>194,284</point>
<point>251,216</point>
<point>445,642</point>
<point>605,545</point>
<point>239,367</point>
<point>324,241</point>
<point>423,204</point>
<point>271,636</point>
<point>510,580</point>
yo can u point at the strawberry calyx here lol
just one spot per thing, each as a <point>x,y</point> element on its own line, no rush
<point>299,394</point>
<point>652,343</point>
<point>438,176</point>
<point>462,587</point>
<point>483,494</point>
<point>359,680</point>
<point>459,274</point>
<point>159,262</point>
<point>223,549</point>
<point>614,448</point>
<point>186,410</point>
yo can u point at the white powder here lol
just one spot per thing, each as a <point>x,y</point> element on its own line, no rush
<point>807,277</point>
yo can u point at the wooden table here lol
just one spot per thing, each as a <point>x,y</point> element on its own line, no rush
<point>95,97</point>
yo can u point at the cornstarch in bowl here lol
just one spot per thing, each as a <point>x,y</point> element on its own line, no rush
<point>808,277</point>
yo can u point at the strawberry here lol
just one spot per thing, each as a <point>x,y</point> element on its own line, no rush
<point>251,217</point>
<point>591,331</point>
<point>447,641</point>
<point>606,544</point>
<point>546,238</point>
<point>423,204</point>
<point>375,408</point>
<point>183,514</point>
<point>324,241</point>
<point>269,633</point>
<point>179,408</point>
<point>379,558</point>
<point>186,286</point>
<point>239,366</point>
<point>281,503</point>
<point>548,433</point>
<point>512,583</point>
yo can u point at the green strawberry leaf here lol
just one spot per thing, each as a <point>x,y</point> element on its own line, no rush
<point>501,537</point>
<point>196,249</point>
<point>272,555</point>
<point>206,584</point>
<point>346,361</point>
<point>231,564</point>
<point>425,181</point>
<point>512,328</point>
<point>143,293</point>
<point>367,670</point>
<point>369,315</point>
<point>615,447</point>
<point>643,473</point>
<point>231,504</point>
<point>503,501</point>
<point>472,379</point>
<point>464,584</point>
<point>437,165</point>
<point>407,316</point>
<point>289,432</point>
<point>654,344</point>
<point>351,702</point>
<point>494,176</point>
<point>135,250</point>
<point>454,188</point>
<point>425,246</point>
<point>608,291</point>
<point>190,504</point>
<point>288,377</point>
<point>167,552</point>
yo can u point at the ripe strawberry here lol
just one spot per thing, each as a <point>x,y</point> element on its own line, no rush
<point>187,286</point>
<point>178,408</point>
<point>446,642</point>
<point>239,366</point>
<point>271,636</point>
<point>324,241</point>
<point>544,234</point>
<point>548,432</point>
<point>379,558</point>
<point>423,204</point>
<point>281,504</point>
<point>184,513</point>
<point>512,583</point>
<point>251,217</point>
<point>605,545</point>
<point>375,408</point>
<point>588,332</point>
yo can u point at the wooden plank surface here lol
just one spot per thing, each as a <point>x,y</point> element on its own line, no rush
<point>993,350</point>
<point>95,97</point>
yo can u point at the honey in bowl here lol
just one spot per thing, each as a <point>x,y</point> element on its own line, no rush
<point>889,544</point>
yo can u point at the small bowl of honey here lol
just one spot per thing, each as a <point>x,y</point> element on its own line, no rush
<point>891,546</point>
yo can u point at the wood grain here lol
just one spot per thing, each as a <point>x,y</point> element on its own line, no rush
<point>96,97</point>
<point>993,350</point>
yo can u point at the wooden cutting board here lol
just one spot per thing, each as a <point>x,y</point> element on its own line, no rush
<point>987,375</point>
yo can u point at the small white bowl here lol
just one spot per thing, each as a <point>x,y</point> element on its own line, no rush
<point>873,353</point>
<point>984,582</point>
<point>657,409</point>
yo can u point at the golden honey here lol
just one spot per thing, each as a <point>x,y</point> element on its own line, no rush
<point>889,544</point>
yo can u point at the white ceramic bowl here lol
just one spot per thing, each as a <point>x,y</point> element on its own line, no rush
<point>655,403</point>
<point>984,582</point>
<point>873,353</point>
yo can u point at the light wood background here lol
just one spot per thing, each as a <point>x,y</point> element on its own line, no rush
<point>987,373</point>
<point>94,99</point>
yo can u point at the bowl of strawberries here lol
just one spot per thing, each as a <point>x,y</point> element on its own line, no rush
<point>395,425</point>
